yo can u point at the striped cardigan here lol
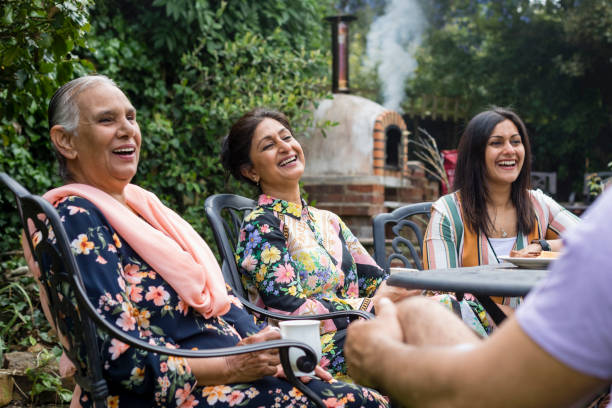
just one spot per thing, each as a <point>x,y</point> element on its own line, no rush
<point>449,243</point>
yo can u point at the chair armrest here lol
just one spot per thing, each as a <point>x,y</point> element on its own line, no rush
<point>350,314</point>
<point>305,363</point>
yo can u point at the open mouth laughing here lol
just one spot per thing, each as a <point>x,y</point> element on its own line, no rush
<point>507,164</point>
<point>288,161</point>
<point>125,151</point>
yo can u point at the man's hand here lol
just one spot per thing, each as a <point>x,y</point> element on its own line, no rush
<point>393,293</point>
<point>365,339</point>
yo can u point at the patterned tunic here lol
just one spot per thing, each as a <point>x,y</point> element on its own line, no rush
<point>448,243</point>
<point>134,297</point>
<point>299,260</point>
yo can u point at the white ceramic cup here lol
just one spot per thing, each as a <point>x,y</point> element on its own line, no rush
<point>306,331</point>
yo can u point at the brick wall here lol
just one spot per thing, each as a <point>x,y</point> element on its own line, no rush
<point>359,199</point>
<point>357,204</point>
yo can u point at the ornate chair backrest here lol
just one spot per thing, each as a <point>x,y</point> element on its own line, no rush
<point>546,181</point>
<point>225,213</point>
<point>407,225</point>
<point>59,275</point>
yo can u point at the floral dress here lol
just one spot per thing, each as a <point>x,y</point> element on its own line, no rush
<point>134,297</point>
<point>299,260</point>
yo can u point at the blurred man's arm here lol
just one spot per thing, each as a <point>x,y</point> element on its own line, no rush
<point>506,370</point>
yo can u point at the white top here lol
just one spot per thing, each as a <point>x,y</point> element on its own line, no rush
<point>502,246</point>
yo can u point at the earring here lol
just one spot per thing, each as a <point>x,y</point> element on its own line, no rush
<point>256,180</point>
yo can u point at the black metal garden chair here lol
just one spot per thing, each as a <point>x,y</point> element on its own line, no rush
<point>72,310</point>
<point>225,213</point>
<point>545,181</point>
<point>407,225</point>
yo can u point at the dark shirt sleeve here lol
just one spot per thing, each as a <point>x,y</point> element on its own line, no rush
<point>245,323</point>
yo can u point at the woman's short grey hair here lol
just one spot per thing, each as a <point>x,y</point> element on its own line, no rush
<point>64,110</point>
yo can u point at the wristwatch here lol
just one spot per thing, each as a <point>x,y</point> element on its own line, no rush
<point>543,243</point>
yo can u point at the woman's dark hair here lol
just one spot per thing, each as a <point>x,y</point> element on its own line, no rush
<point>237,144</point>
<point>470,172</point>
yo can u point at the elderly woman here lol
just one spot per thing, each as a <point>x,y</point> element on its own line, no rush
<point>152,275</point>
<point>295,258</point>
<point>492,212</point>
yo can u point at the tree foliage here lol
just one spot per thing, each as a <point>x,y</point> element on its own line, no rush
<point>190,67</point>
<point>550,60</point>
<point>37,43</point>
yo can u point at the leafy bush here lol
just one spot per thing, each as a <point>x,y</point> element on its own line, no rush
<point>22,323</point>
<point>596,184</point>
<point>37,41</point>
<point>44,379</point>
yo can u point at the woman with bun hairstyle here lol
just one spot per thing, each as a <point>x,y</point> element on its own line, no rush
<point>295,258</point>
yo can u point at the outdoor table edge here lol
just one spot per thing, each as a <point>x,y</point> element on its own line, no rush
<point>458,286</point>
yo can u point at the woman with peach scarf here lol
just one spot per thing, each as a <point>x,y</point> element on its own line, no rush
<point>152,275</point>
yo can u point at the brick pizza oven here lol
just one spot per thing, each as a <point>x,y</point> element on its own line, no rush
<point>359,168</point>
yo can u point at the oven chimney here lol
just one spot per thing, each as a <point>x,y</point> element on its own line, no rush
<point>340,51</point>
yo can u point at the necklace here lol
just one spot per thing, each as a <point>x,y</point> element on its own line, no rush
<point>504,234</point>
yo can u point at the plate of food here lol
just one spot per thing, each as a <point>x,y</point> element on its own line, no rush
<point>537,262</point>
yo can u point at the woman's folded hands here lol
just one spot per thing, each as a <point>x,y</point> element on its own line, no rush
<point>530,251</point>
<point>251,366</point>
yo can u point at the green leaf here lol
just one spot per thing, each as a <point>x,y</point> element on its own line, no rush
<point>10,55</point>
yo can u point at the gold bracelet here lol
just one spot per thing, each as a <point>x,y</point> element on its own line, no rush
<point>365,304</point>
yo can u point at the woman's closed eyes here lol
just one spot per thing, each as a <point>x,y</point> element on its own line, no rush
<point>285,138</point>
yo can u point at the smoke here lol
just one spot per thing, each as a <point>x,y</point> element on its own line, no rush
<point>391,43</point>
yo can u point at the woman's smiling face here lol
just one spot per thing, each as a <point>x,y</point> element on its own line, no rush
<point>504,154</point>
<point>106,142</point>
<point>276,156</point>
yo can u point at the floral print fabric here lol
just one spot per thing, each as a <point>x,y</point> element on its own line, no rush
<point>300,260</point>
<point>130,294</point>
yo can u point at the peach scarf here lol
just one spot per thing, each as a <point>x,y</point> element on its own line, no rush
<point>164,240</point>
